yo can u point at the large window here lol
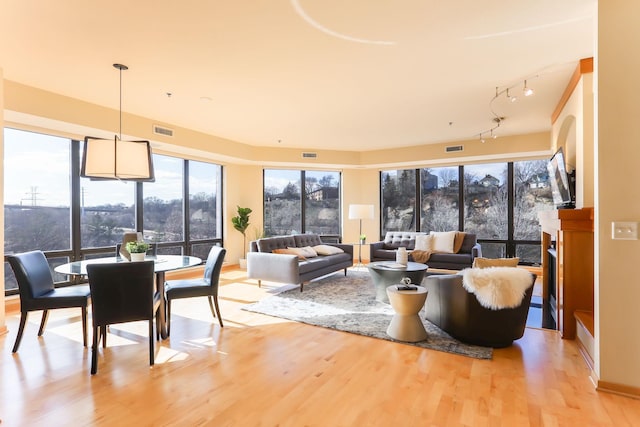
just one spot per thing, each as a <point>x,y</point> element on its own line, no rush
<point>439,199</point>
<point>163,201</point>
<point>288,208</point>
<point>497,201</point>
<point>43,212</point>
<point>399,200</point>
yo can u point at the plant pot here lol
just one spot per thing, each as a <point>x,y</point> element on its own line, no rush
<point>138,256</point>
<point>243,263</point>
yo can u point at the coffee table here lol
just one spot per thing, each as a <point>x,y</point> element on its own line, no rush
<point>386,273</point>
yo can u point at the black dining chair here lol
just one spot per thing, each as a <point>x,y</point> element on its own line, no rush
<point>205,286</point>
<point>37,292</point>
<point>122,292</point>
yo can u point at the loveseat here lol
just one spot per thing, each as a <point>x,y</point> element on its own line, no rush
<point>294,263</point>
<point>385,250</point>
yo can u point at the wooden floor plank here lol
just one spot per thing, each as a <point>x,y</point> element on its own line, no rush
<point>264,371</point>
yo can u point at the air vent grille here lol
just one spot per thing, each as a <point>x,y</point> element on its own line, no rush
<point>159,130</point>
<point>309,155</point>
<point>453,148</point>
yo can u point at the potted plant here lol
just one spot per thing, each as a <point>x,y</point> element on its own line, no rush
<point>138,250</point>
<point>241,223</point>
<point>363,239</point>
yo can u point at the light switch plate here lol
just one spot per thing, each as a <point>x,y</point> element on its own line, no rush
<point>624,230</point>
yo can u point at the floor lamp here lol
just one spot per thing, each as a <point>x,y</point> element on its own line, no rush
<point>360,212</point>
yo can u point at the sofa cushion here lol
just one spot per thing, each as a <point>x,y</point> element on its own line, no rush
<point>289,251</point>
<point>495,262</point>
<point>303,240</point>
<point>443,241</point>
<point>268,244</point>
<point>424,242</point>
<point>468,243</point>
<point>396,239</point>
<point>306,251</point>
<point>327,250</point>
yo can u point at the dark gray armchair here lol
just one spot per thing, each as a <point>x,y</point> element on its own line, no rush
<point>456,311</point>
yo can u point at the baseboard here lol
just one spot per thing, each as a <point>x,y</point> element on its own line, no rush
<point>619,389</point>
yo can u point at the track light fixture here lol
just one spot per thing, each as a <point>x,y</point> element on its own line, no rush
<point>498,119</point>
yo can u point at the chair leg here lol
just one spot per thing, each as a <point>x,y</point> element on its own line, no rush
<point>103,332</point>
<point>43,323</point>
<point>94,349</point>
<point>167,313</point>
<point>23,321</point>
<point>84,326</point>
<point>151,361</point>
<point>215,301</point>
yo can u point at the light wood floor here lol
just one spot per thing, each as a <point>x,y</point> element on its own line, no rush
<point>262,371</point>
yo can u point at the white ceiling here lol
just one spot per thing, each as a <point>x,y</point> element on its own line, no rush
<point>332,74</point>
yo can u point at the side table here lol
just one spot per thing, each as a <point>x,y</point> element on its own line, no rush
<point>406,324</point>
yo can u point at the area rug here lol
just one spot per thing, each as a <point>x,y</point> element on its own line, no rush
<point>348,304</point>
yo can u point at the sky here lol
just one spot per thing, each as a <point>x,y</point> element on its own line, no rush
<point>37,168</point>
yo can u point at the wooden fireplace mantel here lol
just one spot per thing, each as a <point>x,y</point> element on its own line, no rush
<point>570,231</point>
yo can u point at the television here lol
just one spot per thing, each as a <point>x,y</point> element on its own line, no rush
<point>562,183</point>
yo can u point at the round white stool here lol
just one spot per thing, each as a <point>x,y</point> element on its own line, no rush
<point>406,324</point>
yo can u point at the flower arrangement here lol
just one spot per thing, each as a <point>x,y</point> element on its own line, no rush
<point>138,247</point>
<point>363,238</point>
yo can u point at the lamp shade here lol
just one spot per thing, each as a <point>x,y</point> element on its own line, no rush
<point>104,159</point>
<point>360,211</point>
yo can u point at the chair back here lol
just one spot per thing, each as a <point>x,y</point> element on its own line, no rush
<point>121,292</point>
<point>213,266</point>
<point>32,274</point>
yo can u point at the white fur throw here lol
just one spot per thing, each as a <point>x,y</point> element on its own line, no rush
<point>497,287</point>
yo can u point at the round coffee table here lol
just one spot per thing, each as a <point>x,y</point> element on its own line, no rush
<point>406,324</point>
<point>386,273</point>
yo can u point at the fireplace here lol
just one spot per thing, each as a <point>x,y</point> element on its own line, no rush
<point>550,300</point>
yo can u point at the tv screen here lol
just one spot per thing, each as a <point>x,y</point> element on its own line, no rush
<point>560,181</point>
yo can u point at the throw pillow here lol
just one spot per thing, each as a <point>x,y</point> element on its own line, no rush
<point>327,250</point>
<point>424,242</point>
<point>457,242</point>
<point>306,251</point>
<point>289,252</point>
<point>443,241</point>
<point>495,262</point>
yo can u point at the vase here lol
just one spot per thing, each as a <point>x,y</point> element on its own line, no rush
<point>402,256</point>
<point>138,256</point>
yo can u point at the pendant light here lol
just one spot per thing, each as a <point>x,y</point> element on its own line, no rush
<point>115,159</point>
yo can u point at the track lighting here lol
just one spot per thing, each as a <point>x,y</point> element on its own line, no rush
<point>527,90</point>
<point>497,119</point>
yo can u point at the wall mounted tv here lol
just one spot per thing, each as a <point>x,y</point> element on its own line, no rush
<point>562,183</point>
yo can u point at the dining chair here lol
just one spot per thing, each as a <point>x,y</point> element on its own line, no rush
<point>205,286</point>
<point>37,292</point>
<point>122,292</point>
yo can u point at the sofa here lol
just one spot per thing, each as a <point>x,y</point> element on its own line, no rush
<point>277,259</point>
<point>385,250</point>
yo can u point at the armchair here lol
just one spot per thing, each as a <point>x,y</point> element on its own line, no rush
<point>456,311</point>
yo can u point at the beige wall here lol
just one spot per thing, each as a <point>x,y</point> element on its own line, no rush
<point>573,131</point>
<point>617,192</point>
<point>3,326</point>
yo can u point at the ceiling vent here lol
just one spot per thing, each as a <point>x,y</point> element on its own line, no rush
<point>309,155</point>
<point>453,148</point>
<point>159,130</point>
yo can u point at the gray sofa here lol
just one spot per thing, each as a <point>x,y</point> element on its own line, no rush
<point>263,264</point>
<point>385,250</point>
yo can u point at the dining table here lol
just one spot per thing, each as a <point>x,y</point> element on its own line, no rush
<point>162,264</point>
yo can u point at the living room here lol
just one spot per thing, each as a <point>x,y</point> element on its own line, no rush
<point>42,109</point>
